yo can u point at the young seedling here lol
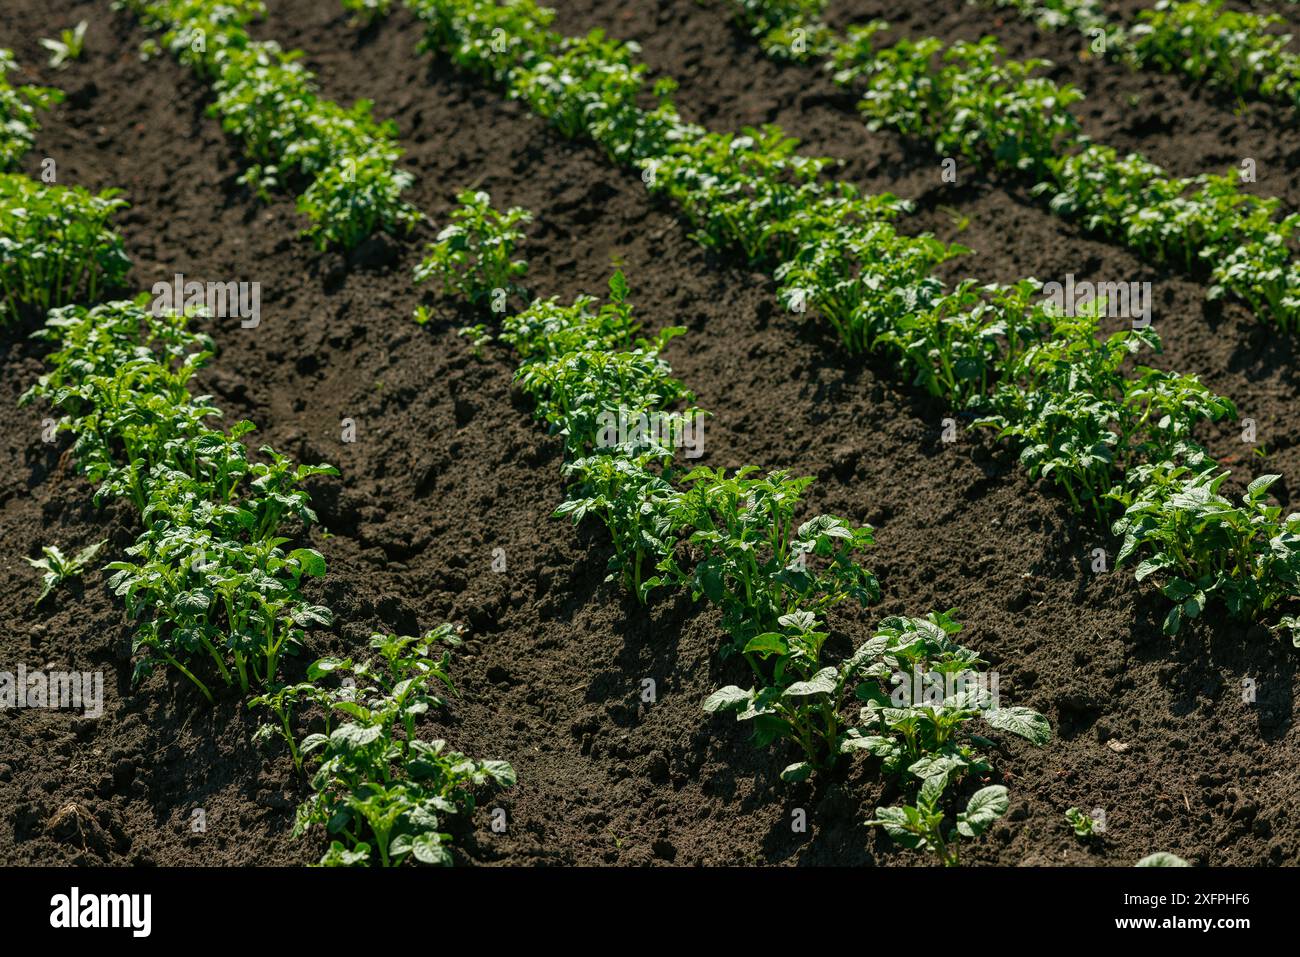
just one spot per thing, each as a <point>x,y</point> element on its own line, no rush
<point>367,12</point>
<point>1084,825</point>
<point>930,734</point>
<point>746,554</point>
<point>59,568</point>
<point>921,826</point>
<point>477,335</point>
<point>802,702</point>
<point>68,47</point>
<point>1247,556</point>
<point>281,702</point>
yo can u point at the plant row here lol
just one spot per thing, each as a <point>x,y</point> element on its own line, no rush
<point>214,591</point>
<point>970,100</point>
<point>208,578</point>
<point>56,243</point>
<point>18,106</point>
<point>209,582</point>
<point>1234,50</point>
<point>342,162</point>
<point>1109,435</point>
<point>736,541</point>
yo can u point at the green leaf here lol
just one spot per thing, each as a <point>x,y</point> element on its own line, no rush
<point>311,561</point>
<point>618,288</point>
<point>768,727</point>
<point>799,771</point>
<point>985,807</point>
<point>1150,566</point>
<point>1260,485</point>
<point>323,666</point>
<point>309,615</point>
<point>823,682</point>
<point>769,643</point>
<point>727,699</point>
<point>935,765</point>
<point>873,744</point>
<point>799,620</point>
<point>352,736</point>
<point>502,772</point>
<point>89,552</point>
<point>428,849</point>
<point>1025,722</point>
<point>895,821</point>
<point>193,602</point>
<point>1162,859</point>
<point>931,791</point>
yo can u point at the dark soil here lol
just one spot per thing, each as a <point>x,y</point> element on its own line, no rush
<point>448,466</point>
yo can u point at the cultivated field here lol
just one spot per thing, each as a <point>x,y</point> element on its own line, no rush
<point>677,389</point>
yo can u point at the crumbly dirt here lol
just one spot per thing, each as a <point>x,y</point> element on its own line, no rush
<point>448,466</point>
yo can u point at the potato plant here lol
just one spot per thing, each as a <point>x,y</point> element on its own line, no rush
<point>68,47</point>
<point>795,697</point>
<point>212,581</point>
<point>473,255</point>
<point>1083,825</point>
<point>989,347</point>
<point>381,790</point>
<point>970,99</point>
<point>18,106</point>
<point>341,162</point>
<point>282,701</point>
<point>736,540</point>
<point>922,825</point>
<point>744,551</point>
<point>1201,546</point>
<point>57,245</point>
<point>207,579</point>
<point>1232,49</point>
<point>59,568</point>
